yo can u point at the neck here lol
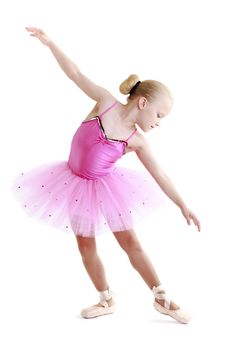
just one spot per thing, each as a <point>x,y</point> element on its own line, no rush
<point>128,114</point>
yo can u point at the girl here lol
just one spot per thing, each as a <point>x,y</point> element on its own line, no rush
<point>88,192</point>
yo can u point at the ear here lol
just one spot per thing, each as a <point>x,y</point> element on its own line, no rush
<point>142,102</point>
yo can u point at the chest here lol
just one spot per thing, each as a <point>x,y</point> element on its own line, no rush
<point>113,128</point>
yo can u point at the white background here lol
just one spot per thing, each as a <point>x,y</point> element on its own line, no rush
<point>188,46</point>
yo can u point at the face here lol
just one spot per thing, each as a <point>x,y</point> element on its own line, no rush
<point>152,113</point>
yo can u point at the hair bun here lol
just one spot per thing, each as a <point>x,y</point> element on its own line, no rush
<point>127,85</point>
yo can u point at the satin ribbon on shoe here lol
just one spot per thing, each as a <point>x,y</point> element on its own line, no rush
<point>161,296</point>
<point>178,314</point>
<point>106,295</point>
<point>100,310</point>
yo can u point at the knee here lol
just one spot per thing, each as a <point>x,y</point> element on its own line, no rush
<point>133,247</point>
<point>130,244</point>
<point>87,246</point>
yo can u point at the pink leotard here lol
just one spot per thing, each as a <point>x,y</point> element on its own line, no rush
<point>93,154</point>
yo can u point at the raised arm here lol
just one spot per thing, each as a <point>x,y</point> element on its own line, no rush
<point>147,158</point>
<point>94,91</point>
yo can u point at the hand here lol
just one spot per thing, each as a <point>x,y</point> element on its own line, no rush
<point>40,34</point>
<point>189,215</point>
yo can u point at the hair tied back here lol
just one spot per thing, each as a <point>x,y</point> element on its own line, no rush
<point>134,87</point>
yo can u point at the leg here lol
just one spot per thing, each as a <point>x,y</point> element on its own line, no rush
<point>139,260</point>
<point>92,262</point>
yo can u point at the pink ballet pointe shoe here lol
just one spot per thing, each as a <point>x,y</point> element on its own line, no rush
<point>179,315</point>
<point>101,309</point>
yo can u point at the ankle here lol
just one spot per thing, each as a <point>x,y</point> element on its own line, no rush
<point>105,294</point>
<point>110,301</point>
<point>106,297</point>
<point>161,298</point>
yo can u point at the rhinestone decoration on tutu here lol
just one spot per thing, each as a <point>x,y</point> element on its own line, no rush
<point>54,194</point>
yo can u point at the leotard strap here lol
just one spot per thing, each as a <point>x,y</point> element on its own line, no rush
<point>100,115</point>
<point>131,134</point>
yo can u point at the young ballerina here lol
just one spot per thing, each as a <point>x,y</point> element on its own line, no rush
<point>89,193</point>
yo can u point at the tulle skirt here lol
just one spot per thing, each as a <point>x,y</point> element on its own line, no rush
<point>57,196</point>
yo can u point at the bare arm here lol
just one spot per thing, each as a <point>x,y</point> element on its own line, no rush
<point>144,153</point>
<point>66,64</point>
<point>146,156</point>
<point>93,90</point>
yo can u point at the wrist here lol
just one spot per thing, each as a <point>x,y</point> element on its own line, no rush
<point>182,205</point>
<point>50,43</point>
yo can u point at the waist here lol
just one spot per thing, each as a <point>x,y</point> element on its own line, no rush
<point>91,174</point>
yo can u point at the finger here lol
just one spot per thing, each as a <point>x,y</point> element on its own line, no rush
<point>34,29</point>
<point>197,223</point>
<point>31,28</point>
<point>187,218</point>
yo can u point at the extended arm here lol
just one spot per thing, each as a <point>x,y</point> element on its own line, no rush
<point>94,91</point>
<point>146,156</point>
<point>66,64</point>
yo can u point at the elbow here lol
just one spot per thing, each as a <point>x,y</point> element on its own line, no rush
<point>75,75</point>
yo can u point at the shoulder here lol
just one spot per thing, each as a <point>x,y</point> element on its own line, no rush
<point>137,142</point>
<point>106,101</point>
<point>102,104</point>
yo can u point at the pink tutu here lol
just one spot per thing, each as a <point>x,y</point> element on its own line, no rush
<point>87,207</point>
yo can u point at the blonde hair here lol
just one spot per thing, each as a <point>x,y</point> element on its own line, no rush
<point>150,89</point>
